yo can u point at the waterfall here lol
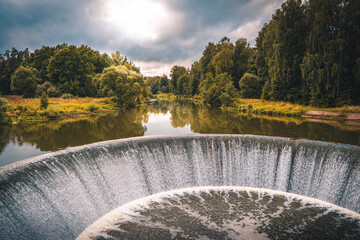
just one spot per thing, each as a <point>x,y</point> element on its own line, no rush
<point>57,195</point>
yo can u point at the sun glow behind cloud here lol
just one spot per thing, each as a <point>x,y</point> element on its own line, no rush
<point>138,19</point>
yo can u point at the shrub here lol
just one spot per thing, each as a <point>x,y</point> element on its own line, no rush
<point>24,81</point>
<point>93,108</point>
<point>67,96</point>
<point>250,86</point>
<point>3,107</point>
<point>52,92</point>
<point>44,100</point>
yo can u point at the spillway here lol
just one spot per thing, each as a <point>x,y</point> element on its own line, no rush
<point>58,195</point>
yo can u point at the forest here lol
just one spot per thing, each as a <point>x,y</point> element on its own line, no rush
<point>308,53</point>
<point>67,71</point>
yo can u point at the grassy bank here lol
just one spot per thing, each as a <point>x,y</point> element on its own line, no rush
<point>258,106</point>
<point>29,110</point>
<point>262,107</point>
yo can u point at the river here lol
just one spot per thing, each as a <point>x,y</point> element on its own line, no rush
<point>19,142</point>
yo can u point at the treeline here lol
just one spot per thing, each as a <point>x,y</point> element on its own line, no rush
<point>309,53</point>
<point>68,70</point>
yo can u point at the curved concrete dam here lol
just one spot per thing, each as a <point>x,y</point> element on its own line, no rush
<point>58,195</point>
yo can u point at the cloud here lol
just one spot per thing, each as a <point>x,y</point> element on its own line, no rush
<point>155,33</point>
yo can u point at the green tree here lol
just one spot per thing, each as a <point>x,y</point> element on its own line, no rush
<point>184,87</point>
<point>9,62</point>
<point>250,86</point>
<point>154,83</point>
<point>195,76</point>
<point>3,107</point>
<point>123,83</point>
<point>48,88</point>
<point>175,73</point>
<point>24,81</point>
<point>217,91</point>
<point>44,100</point>
<point>164,84</point>
<point>71,69</point>
<point>241,56</point>
<point>331,52</point>
<point>282,46</point>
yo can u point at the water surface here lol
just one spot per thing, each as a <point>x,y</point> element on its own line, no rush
<point>163,118</point>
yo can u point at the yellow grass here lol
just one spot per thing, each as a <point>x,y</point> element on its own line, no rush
<point>258,106</point>
<point>25,110</point>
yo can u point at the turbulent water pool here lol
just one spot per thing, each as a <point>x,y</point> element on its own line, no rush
<point>225,213</point>
<point>58,195</point>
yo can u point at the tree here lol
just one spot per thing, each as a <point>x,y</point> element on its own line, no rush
<point>242,53</point>
<point>48,88</point>
<point>44,100</point>
<point>164,84</point>
<point>281,46</point>
<point>24,81</point>
<point>71,69</point>
<point>184,87</point>
<point>3,107</point>
<point>123,83</point>
<point>217,91</point>
<point>250,86</point>
<point>195,76</point>
<point>175,73</point>
<point>39,59</point>
<point>331,52</point>
<point>9,62</point>
<point>153,83</point>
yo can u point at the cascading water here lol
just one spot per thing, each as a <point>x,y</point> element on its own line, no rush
<point>56,196</point>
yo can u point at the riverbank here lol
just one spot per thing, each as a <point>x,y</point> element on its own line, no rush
<point>346,114</point>
<point>28,110</point>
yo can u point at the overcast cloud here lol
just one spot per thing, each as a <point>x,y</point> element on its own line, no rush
<point>155,34</point>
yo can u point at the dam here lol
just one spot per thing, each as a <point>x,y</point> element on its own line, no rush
<point>58,195</point>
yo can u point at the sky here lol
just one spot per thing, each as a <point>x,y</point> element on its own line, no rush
<point>155,34</point>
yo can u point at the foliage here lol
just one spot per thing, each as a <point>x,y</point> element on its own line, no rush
<point>48,88</point>
<point>67,96</point>
<point>158,84</point>
<point>3,107</point>
<point>175,73</point>
<point>72,69</point>
<point>308,53</point>
<point>24,81</point>
<point>250,86</point>
<point>44,100</point>
<point>218,91</point>
<point>216,75</point>
<point>9,62</point>
<point>123,83</point>
<point>29,110</point>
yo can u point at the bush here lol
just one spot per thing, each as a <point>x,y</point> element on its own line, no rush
<point>44,100</point>
<point>250,86</point>
<point>67,96</point>
<point>24,81</point>
<point>52,92</point>
<point>3,107</point>
<point>93,108</point>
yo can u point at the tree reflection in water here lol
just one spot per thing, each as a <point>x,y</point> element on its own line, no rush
<point>131,123</point>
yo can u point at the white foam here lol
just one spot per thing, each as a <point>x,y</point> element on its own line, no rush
<point>109,220</point>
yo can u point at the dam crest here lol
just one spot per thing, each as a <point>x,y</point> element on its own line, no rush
<point>58,195</point>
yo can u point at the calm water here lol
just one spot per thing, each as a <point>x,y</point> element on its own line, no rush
<point>163,118</point>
